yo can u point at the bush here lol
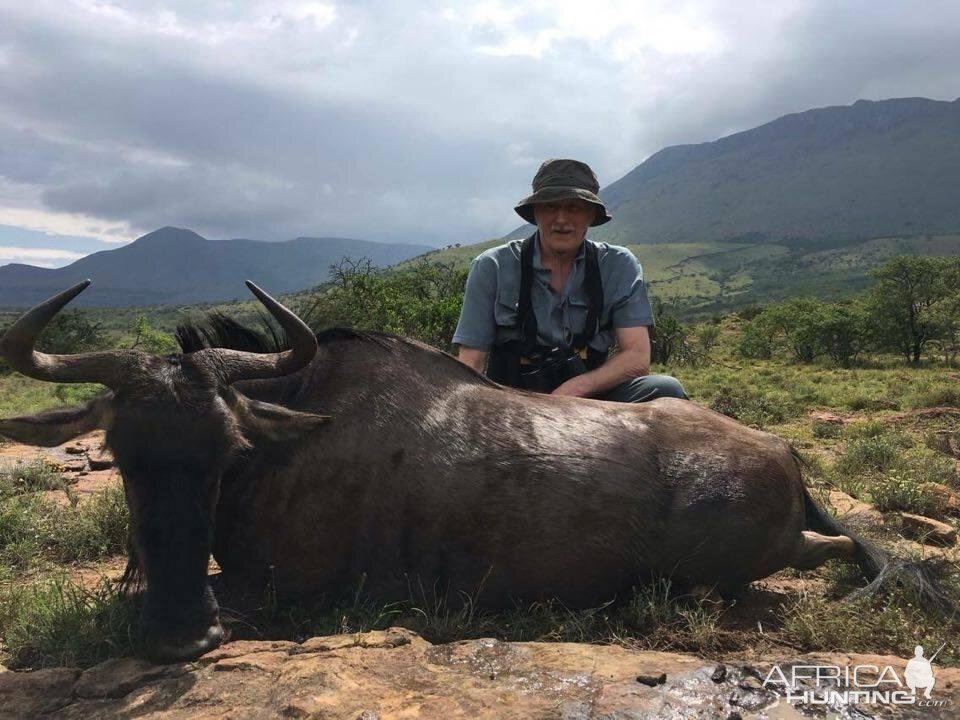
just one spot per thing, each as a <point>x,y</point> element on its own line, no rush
<point>937,396</point>
<point>668,337</point>
<point>751,407</point>
<point>421,300</point>
<point>869,454</point>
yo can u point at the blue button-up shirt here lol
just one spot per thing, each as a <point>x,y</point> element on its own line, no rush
<point>490,304</point>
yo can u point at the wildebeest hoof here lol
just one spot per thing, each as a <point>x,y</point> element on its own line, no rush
<point>170,651</point>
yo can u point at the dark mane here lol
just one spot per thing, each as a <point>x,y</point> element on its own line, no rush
<point>216,330</point>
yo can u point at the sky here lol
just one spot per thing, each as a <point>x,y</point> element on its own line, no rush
<point>413,121</point>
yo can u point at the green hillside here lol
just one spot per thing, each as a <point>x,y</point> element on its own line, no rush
<point>701,278</point>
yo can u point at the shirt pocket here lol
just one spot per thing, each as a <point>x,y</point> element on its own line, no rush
<point>577,309</point>
<point>505,312</point>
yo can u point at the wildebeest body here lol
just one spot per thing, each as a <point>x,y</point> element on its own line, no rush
<point>429,475</point>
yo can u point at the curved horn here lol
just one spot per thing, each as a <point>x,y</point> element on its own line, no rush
<point>239,365</point>
<point>16,345</point>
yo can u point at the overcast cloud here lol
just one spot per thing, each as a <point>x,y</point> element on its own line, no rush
<point>414,121</point>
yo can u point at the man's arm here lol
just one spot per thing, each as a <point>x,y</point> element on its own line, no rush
<point>632,361</point>
<point>475,358</point>
<point>477,326</point>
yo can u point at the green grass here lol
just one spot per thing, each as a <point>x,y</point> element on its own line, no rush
<point>35,531</point>
<point>26,477</point>
<point>56,622</point>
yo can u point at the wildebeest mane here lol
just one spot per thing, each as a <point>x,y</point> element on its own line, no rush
<point>216,330</point>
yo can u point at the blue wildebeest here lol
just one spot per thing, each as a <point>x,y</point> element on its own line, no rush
<point>356,454</point>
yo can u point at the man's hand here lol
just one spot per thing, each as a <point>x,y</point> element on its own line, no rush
<point>632,361</point>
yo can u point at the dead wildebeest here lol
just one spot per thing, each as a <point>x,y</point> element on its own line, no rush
<point>357,454</point>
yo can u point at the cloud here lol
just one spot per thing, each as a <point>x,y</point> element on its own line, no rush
<point>420,121</point>
<point>42,257</point>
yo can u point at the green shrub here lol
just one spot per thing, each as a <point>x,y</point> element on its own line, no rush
<point>869,454</point>
<point>899,490</point>
<point>944,395</point>
<point>826,429</point>
<point>752,407</point>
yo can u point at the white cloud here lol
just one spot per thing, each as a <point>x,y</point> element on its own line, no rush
<point>41,257</point>
<point>426,119</point>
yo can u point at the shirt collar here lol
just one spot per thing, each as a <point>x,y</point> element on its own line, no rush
<point>538,265</point>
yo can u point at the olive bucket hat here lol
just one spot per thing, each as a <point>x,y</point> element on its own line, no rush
<point>563,180</point>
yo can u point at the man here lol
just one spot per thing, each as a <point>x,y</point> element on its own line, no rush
<point>544,311</point>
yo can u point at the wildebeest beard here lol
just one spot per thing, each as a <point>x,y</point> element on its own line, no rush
<point>426,473</point>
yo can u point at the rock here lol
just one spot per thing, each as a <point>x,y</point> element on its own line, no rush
<point>853,511</point>
<point>31,694</point>
<point>947,499</point>
<point>652,680</point>
<point>397,674</point>
<point>75,449</point>
<point>116,678</point>
<point>73,464</point>
<point>928,530</point>
<point>100,459</point>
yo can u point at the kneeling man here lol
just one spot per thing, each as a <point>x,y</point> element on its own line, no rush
<point>542,313</point>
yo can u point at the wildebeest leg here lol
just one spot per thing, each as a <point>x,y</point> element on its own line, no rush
<point>815,549</point>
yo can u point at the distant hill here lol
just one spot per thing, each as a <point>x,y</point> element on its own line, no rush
<point>805,204</point>
<point>835,174</point>
<point>177,266</point>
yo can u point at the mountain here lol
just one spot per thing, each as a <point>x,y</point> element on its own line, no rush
<point>872,169</point>
<point>177,266</point>
<point>803,205</point>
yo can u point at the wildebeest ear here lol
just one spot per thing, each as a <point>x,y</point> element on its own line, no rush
<point>54,427</point>
<point>274,422</point>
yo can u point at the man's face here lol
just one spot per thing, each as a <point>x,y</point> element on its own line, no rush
<point>563,224</point>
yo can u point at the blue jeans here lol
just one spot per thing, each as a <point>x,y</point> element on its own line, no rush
<point>648,387</point>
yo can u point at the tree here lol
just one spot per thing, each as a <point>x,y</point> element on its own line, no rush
<point>792,324</point>
<point>70,332</point>
<point>151,340</point>
<point>901,301</point>
<point>842,332</point>
<point>944,314</point>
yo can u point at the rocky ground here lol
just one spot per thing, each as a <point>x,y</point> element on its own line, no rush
<point>397,674</point>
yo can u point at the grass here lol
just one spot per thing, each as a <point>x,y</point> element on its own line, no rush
<point>26,477</point>
<point>57,622</point>
<point>34,530</point>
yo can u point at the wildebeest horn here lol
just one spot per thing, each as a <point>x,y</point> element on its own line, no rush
<point>239,365</point>
<point>16,345</point>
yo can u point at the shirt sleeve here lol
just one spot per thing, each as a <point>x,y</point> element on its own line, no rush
<point>477,327</point>
<point>629,304</point>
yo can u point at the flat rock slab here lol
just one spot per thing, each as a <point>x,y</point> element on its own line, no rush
<point>396,674</point>
<point>927,530</point>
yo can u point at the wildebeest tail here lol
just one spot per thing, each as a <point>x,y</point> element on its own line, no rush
<point>880,566</point>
